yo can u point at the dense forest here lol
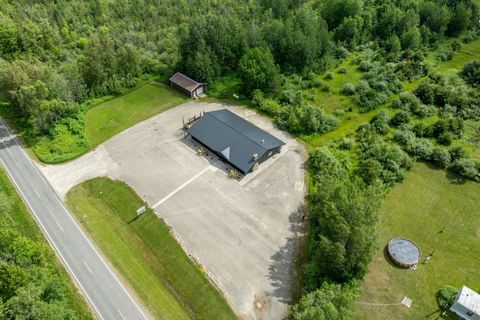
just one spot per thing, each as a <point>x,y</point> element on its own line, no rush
<point>56,57</point>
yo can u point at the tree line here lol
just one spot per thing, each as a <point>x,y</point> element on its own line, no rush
<point>56,56</point>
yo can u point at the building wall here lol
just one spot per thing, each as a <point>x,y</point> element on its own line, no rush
<point>461,311</point>
<point>270,153</point>
<point>188,93</point>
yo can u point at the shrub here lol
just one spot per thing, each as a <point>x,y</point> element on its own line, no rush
<point>456,45</point>
<point>397,104</point>
<point>325,88</point>
<point>367,98</point>
<point>342,70</point>
<point>471,73</point>
<point>309,96</point>
<point>423,111</point>
<point>401,117</point>
<point>269,106</point>
<point>441,158</point>
<point>306,84</point>
<point>394,161</point>
<point>445,55</point>
<point>329,302</point>
<point>345,144</point>
<point>449,125</point>
<point>422,130</point>
<point>365,66</point>
<point>380,121</point>
<point>405,138</point>
<point>305,118</point>
<point>378,85</point>
<point>457,153</point>
<point>422,149</point>
<point>467,168</point>
<point>446,297</point>
<point>317,83</point>
<point>341,52</point>
<point>339,112</point>
<point>445,138</point>
<point>348,89</point>
<point>329,76</point>
<point>369,170</point>
<point>326,168</point>
<point>290,97</point>
<point>310,76</point>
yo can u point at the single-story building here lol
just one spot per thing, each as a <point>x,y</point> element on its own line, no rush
<point>189,86</point>
<point>243,145</point>
<point>467,304</point>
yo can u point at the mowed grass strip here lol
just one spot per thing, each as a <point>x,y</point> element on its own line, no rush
<point>145,253</point>
<point>468,52</point>
<point>112,117</point>
<point>419,209</point>
<point>16,216</point>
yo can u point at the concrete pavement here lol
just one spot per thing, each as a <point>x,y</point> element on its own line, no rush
<point>244,233</point>
<point>105,292</point>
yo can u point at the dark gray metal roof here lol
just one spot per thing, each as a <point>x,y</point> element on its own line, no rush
<point>234,138</point>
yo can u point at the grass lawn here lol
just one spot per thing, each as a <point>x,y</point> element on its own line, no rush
<point>109,118</point>
<point>418,209</point>
<point>145,253</point>
<point>332,99</point>
<point>15,215</point>
<point>469,51</point>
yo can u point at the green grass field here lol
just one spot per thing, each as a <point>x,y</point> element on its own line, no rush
<point>109,118</point>
<point>418,209</point>
<point>145,253</point>
<point>17,217</point>
<point>469,51</point>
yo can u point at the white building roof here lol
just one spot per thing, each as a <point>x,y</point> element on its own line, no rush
<point>469,299</point>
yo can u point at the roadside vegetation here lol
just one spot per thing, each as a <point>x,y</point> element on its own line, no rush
<point>145,253</point>
<point>33,283</point>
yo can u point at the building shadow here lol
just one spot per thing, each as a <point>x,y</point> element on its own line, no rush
<point>286,264</point>
<point>208,155</point>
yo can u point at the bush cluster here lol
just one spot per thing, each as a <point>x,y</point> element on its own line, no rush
<point>471,73</point>
<point>303,118</point>
<point>368,98</point>
<point>379,160</point>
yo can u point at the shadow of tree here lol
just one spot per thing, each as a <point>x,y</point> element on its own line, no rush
<point>284,271</point>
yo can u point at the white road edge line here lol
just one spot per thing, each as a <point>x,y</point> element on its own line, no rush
<point>74,222</point>
<point>50,239</point>
<point>186,183</point>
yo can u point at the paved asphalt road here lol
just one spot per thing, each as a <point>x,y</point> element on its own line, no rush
<point>106,293</point>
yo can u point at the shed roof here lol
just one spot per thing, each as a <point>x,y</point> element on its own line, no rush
<point>469,299</point>
<point>184,82</point>
<point>236,139</point>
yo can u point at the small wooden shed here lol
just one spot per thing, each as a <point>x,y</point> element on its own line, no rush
<point>187,85</point>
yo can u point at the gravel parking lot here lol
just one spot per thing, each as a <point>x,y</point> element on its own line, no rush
<point>242,232</point>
